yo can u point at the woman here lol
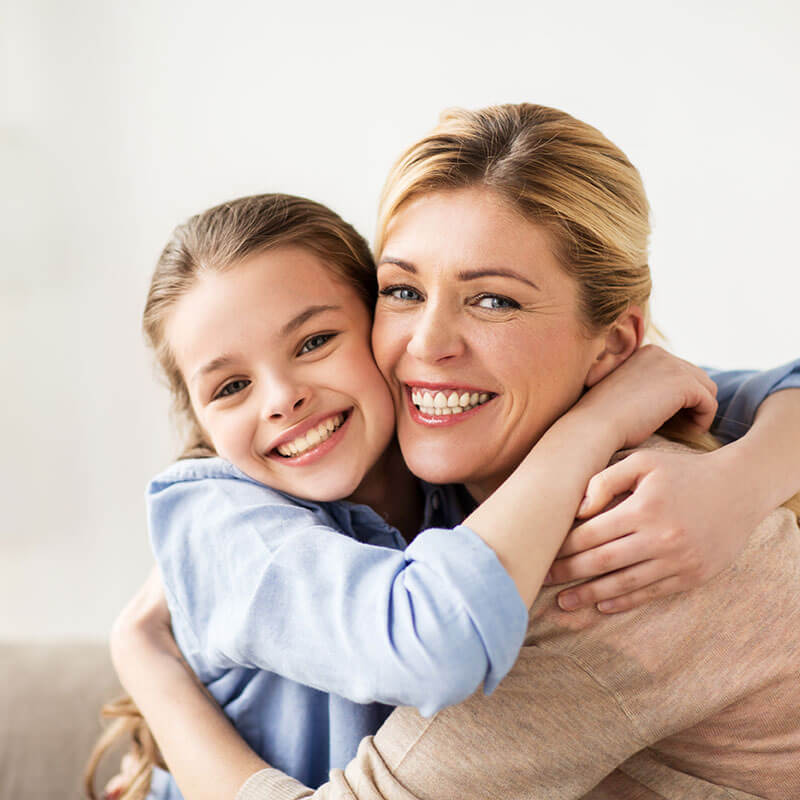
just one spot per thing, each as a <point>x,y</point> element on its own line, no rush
<point>550,220</point>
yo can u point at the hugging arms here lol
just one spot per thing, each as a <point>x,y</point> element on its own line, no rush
<point>532,343</point>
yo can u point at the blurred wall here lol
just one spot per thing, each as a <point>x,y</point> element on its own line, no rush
<point>118,120</point>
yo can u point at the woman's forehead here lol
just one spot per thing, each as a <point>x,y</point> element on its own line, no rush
<point>470,230</point>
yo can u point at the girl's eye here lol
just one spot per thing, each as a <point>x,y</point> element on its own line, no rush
<point>232,388</point>
<point>315,341</point>
<point>496,302</point>
<point>401,293</point>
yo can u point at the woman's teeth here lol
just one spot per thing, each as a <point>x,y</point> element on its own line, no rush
<point>438,403</point>
<point>312,437</point>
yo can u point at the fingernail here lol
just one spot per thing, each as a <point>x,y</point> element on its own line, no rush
<point>605,605</point>
<point>584,505</point>
<point>568,601</point>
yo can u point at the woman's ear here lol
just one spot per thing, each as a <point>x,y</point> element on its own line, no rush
<point>620,342</point>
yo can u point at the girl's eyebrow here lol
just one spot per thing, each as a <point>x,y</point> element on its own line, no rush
<point>213,365</point>
<point>295,322</point>
<point>292,325</point>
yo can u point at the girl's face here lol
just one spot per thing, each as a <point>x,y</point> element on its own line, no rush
<point>478,333</point>
<point>275,354</point>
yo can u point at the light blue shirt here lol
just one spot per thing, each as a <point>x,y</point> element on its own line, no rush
<point>298,628</point>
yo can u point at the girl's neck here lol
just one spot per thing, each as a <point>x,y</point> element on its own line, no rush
<point>393,492</point>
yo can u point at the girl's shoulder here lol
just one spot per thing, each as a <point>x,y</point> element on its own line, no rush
<point>216,476</point>
<point>200,469</point>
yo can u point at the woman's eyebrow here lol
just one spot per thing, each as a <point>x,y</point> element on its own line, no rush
<point>464,275</point>
<point>473,274</point>
<point>398,262</point>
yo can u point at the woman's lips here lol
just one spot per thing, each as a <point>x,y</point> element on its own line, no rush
<point>436,405</point>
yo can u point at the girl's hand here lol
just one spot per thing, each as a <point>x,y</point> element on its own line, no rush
<point>645,391</point>
<point>123,779</point>
<point>686,519</point>
<point>145,619</point>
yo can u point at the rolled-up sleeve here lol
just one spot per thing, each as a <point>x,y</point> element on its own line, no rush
<point>741,392</point>
<point>260,583</point>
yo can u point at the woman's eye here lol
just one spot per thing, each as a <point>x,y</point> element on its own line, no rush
<point>496,302</point>
<point>315,341</point>
<point>401,293</point>
<point>232,388</point>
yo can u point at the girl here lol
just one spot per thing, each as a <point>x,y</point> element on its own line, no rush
<point>285,392</point>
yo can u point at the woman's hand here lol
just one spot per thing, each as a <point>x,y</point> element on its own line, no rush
<point>645,391</point>
<point>686,519</point>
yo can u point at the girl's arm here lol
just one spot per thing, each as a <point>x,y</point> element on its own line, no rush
<point>569,712</point>
<point>688,515</point>
<point>254,580</point>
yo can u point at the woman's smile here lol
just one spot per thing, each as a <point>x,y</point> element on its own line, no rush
<point>440,404</point>
<point>478,333</point>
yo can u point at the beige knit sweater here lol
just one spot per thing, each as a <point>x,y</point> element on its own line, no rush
<point>693,697</point>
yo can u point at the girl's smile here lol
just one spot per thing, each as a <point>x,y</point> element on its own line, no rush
<point>275,353</point>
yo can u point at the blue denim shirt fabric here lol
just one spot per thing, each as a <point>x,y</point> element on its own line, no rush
<point>741,392</point>
<point>296,627</point>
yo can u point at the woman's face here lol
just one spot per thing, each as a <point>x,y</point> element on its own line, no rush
<point>478,334</point>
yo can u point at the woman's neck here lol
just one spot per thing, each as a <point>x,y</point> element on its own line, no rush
<point>393,492</point>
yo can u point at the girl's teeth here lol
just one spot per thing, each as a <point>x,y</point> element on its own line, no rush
<point>312,437</point>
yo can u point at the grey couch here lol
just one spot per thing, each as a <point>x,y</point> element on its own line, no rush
<point>49,716</point>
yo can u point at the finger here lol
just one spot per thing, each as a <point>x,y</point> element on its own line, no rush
<point>640,597</point>
<point>618,479</point>
<point>703,410</point>
<point>612,586</point>
<point>615,555</point>
<point>598,530</point>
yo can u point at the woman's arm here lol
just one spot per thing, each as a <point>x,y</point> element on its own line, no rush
<point>252,581</point>
<point>688,515</point>
<point>586,694</point>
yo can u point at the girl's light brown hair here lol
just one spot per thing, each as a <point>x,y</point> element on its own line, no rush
<point>558,172</point>
<point>216,241</point>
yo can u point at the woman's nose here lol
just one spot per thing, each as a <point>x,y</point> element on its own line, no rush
<point>436,336</point>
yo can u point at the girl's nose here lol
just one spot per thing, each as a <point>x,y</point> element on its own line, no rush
<point>284,399</point>
<point>436,336</point>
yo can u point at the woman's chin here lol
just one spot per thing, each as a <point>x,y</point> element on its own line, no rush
<point>439,470</point>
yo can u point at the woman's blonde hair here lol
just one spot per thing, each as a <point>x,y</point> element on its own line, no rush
<point>216,241</point>
<point>562,174</point>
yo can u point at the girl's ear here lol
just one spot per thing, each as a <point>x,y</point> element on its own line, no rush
<point>621,340</point>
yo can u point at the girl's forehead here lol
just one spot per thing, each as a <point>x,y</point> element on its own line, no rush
<point>267,298</point>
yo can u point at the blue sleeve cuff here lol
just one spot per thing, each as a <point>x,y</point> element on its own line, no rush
<point>740,393</point>
<point>463,560</point>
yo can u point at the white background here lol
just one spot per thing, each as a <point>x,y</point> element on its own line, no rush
<point>118,120</point>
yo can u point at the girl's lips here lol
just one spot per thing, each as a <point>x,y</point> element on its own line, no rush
<point>314,454</point>
<point>442,420</point>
